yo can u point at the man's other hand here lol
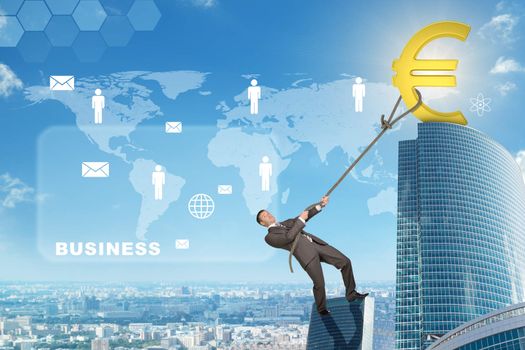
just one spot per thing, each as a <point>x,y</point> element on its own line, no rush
<point>324,201</point>
<point>304,215</point>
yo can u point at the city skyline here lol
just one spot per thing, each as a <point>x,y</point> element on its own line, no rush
<point>133,316</point>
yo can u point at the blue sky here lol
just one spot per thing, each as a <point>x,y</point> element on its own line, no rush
<point>276,40</point>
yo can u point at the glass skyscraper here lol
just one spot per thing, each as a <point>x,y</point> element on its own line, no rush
<point>460,232</point>
<point>348,327</point>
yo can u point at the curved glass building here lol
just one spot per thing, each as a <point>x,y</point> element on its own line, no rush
<point>502,330</point>
<point>461,232</point>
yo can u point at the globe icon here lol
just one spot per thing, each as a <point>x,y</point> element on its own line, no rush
<point>201,206</point>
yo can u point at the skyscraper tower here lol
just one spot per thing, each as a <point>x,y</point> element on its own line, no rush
<point>350,326</point>
<point>460,232</point>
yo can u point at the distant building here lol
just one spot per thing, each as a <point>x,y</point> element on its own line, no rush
<point>503,330</point>
<point>137,327</point>
<point>145,334</point>
<point>156,335</point>
<point>27,345</point>
<point>223,334</point>
<point>100,344</point>
<point>460,232</point>
<point>349,326</point>
<point>103,332</point>
<point>189,340</point>
<point>24,322</point>
<point>119,315</point>
<point>384,330</point>
<point>91,304</point>
<point>169,342</point>
<point>227,335</point>
<point>7,325</point>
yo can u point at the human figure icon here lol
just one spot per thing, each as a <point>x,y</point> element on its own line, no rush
<point>358,93</point>
<point>265,172</point>
<point>158,179</point>
<point>254,95</point>
<point>98,103</point>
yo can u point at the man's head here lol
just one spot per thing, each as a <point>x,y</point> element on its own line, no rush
<point>265,218</point>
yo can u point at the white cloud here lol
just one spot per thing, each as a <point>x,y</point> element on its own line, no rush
<point>520,159</point>
<point>8,81</point>
<point>384,202</point>
<point>13,191</point>
<point>204,3</point>
<point>505,88</point>
<point>500,28</point>
<point>506,65</point>
<point>250,76</point>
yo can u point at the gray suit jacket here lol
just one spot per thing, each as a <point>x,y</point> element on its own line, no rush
<point>282,237</point>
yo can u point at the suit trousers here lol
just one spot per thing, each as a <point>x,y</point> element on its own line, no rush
<point>332,256</point>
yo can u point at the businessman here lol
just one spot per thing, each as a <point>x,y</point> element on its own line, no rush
<point>310,251</point>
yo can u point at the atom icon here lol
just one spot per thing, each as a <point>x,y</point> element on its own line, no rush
<point>480,104</point>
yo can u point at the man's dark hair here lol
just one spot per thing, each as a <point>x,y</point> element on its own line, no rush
<point>259,214</point>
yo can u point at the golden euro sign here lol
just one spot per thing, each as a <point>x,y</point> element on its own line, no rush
<point>406,81</point>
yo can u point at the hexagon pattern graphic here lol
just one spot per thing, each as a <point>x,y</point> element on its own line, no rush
<point>144,15</point>
<point>88,26</point>
<point>34,47</point>
<point>11,31</point>
<point>10,7</point>
<point>62,31</point>
<point>34,15</point>
<point>62,7</point>
<point>89,46</point>
<point>89,15</point>
<point>117,31</point>
<point>117,7</point>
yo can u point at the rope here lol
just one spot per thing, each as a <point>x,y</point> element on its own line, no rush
<point>385,125</point>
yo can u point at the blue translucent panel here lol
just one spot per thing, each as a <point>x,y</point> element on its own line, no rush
<point>62,31</point>
<point>89,15</point>
<point>144,15</point>
<point>117,31</point>
<point>34,47</point>
<point>89,46</point>
<point>117,7</point>
<point>11,31</point>
<point>10,7</point>
<point>34,15</point>
<point>62,7</point>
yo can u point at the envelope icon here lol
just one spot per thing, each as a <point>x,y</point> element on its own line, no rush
<point>62,82</point>
<point>95,169</point>
<point>224,189</point>
<point>182,244</point>
<point>173,127</point>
